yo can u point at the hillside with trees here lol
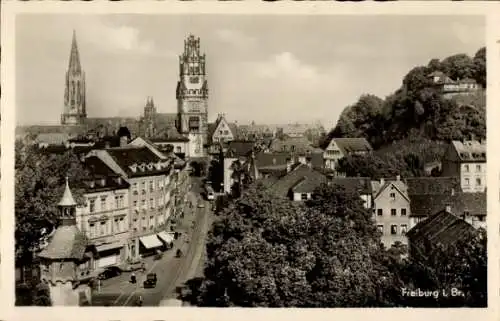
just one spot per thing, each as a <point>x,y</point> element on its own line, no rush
<point>418,110</point>
<point>413,124</point>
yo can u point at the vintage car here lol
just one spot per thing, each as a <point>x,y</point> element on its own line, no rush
<point>150,281</point>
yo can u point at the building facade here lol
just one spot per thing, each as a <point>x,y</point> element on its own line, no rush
<point>466,160</point>
<point>151,203</point>
<point>104,218</point>
<point>391,210</point>
<point>75,111</point>
<point>339,148</point>
<point>192,97</point>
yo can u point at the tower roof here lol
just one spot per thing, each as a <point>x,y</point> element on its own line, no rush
<point>67,198</point>
<point>74,58</point>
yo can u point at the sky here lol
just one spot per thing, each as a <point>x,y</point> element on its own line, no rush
<point>272,69</point>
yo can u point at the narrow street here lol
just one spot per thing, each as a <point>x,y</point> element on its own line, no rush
<point>171,271</point>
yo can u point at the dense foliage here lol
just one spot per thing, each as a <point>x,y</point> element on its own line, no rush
<point>418,108</point>
<point>39,186</point>
<point>269,252</point>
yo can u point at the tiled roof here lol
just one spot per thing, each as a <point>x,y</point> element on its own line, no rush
<point>126,157</point>
<point>442,77</point>
<point>301,175</point>
<point>442,227</point>
<point>240,148</point>
<point>68,242</point>
<point>433,185</point>
<point>470,151</point>
<point>99,170</point>
<point>428,204</point>
<point>352,145</point>
<point>297,145</point>
<point>265,160</point>
<point>360,185</point>
<point>378,187</point>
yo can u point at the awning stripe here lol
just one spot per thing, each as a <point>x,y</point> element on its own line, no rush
<point>150,241</point>
<point>166,237</point>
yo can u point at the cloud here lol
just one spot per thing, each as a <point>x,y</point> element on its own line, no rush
<point>235,38</point>
<point>287,68</point>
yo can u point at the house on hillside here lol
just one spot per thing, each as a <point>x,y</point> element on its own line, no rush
<point>466,160</point>
<point>391,209</point>
<point>450,87</point>
<point>338,148</point>
<point>361,186</point>
<point>443,228</point>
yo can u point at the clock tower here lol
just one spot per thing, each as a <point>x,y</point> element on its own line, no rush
<point>192,97</point>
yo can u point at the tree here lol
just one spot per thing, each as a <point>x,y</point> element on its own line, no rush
<point>480,66</point>
<point>270,252</point>
<point>459,66</point>
<point>40,181</point>
<point>366,166</point>
<point>461,265</point>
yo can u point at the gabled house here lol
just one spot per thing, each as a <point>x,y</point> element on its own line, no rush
<point>222,131</point>
<point>470,207</point>
<point>442,228</point>
<point>298,184</point>
<point>466,160</point>
<point>391,209</point>
<point>338,148</point>
<point>450,87</point>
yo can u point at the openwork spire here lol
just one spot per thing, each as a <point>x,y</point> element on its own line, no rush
<point>74,58</point>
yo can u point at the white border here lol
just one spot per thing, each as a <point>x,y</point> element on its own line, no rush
<point>11,8</point>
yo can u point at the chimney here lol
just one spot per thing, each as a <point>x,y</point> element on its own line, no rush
<point>398,178</point>
<point>382,181</point>
<point>448,208</point>
<point>123,141</point>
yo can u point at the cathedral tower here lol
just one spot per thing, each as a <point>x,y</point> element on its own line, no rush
<point>192,97</point>
<point>74,94</point>
<point>149,118</point>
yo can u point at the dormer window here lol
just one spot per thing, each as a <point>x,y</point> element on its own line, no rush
<point>133,168</point>
<point>150,166</point>
<point>119,180</point>
<point>91,184</point>
<point>103,182</point>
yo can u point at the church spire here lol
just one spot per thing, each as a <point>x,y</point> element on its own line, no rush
<point>74,58</point>
<point>67,199</point>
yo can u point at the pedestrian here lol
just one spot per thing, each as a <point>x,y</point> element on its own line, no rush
<point>133,277</point>
<point>143,267</point>
<point>139,300</point>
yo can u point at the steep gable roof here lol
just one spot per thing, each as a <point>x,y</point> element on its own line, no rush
<point>353,145</point>
<point>378,187</point>
<point>127,157</point>
<point>303,178</point>
<point>237,148</point>
<point>443,228</point>
<point>68,242</point>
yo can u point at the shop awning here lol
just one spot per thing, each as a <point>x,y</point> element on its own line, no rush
<point>109,246</point>
<point>166,237</point>
<point>150,241</point>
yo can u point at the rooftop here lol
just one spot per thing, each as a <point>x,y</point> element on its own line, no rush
<point>302,179</point>
<point>470,151</point>
<point>68,242</point>
<point>428,204</point>
<point>353,145</point>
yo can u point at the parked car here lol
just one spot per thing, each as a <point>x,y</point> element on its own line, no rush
<point>150,281</point>
<point>110,272</point>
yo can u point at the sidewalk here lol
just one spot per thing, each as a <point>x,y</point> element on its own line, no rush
<point>122,283</point>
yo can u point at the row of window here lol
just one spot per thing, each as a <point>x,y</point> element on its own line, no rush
<point>107,227</point>
<point>332,152</point>
<point>161,201</point>
<point>394,212</point>
<point>105,205</point>
<point>151,186</point>
<point>467,169</point>
<point>148,223</point>
<point>467,181</point>
<point>395,229</point>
